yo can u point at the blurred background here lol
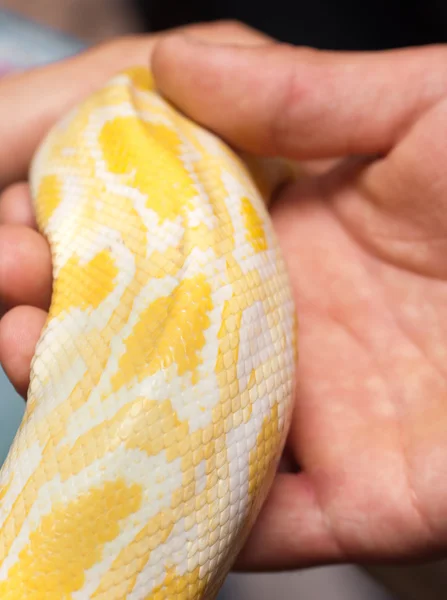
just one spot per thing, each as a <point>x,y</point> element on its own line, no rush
<point>90,21</point>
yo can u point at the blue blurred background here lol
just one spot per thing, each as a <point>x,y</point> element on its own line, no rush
<point>11,411</point>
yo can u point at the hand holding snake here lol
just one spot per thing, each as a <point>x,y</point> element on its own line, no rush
<point>363,240</point>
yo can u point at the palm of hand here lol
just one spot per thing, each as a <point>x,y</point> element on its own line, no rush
<point>369,427</point>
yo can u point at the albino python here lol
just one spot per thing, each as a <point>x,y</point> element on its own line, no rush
<point>161,388</point>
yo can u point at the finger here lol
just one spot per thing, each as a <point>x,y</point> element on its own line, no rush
<point>300,103</point>
<point>16,207</point>
<point>58,87</point>
<point>291,531</point>
<point>20,329</point>
<point>25,267</point>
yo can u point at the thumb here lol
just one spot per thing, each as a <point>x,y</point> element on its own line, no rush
<point>297,102</point>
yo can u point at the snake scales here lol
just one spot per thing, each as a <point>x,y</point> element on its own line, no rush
<point>161,387</point>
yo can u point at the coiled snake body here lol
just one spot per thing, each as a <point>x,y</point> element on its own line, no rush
<point>161,387</point>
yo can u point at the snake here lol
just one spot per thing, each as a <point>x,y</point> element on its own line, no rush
<point>162,385</point>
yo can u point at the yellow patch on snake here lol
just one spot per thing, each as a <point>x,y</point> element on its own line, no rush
<point>5,487</point>
<point>68,541</point>
<point>50,189</point>
<point>254,226</point>
<point>161,264</point>
<point>167,333</point>
<point>154,178</point>
<point>133,557</point>
<point>137,425</point>
<point>98,275</point>
<point>175,585</point>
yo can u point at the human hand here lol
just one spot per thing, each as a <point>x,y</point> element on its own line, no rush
<point>30,103</point>
<point>365,238</point>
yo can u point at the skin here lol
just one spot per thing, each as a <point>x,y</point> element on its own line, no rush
<point>364,233</point>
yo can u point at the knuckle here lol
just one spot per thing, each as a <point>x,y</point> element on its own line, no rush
<point>296,93</point>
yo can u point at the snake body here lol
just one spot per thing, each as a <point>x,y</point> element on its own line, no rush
<point>161,387</point>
